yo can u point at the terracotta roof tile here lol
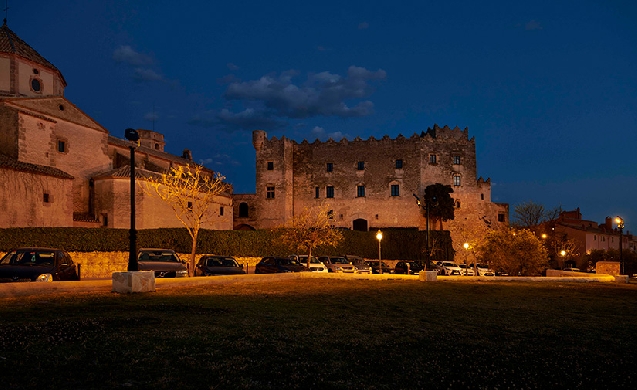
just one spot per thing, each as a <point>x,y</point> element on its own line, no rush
<point>11,163</point>
<point>11,43</point>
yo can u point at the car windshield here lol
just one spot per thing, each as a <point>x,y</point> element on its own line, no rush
<point>339,260</point>
<point>158,256</point>
<point>313,260</point>
<point>34,257</point>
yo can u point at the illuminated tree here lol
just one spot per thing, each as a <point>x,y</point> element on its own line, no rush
<point>516,252</point>
<point>310,229</point>
<point>190,190</point>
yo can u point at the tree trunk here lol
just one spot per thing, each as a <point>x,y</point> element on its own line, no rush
<point>309,258</point>
<point>191,268</point>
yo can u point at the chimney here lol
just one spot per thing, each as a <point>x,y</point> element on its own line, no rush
<point>609,224</point>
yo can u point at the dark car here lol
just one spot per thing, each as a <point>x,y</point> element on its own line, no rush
<point>164,262</point>
<point>359,263</point>
<point>374,264</point>
<point>273,265</point>
<point>408,267</point>
<point>37,264</point>
<point>218,265</point>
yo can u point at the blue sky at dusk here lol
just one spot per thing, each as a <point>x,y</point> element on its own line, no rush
<point>547,88</point>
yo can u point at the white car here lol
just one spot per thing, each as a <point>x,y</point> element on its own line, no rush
<point>484,270</point>
<point>450,268</point>
<point>466,270</point>
<point>315,264</point>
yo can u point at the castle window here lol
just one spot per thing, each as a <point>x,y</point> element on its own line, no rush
<point>395,190</point>
<point>104,220</point>
<point>361,165</point>
<point>189,206</point>
<point>269,192</point>
<point>456,180</point>
<point>243,210</point>
<point>270,165</point>
<point>47,198</point>
<point>330,214</point>
<point>481,196</point>
<point>594,237</point>
<point>360,191</point>
<point>61,146</point>
<point>61,107</point>
<point>329,192</point>
<point>458,204</point>
<point>399,164</point>
<point>456,160</point>
<point>433,159</point>
<point>156,146</point>
<point>316,192</point>
<point>330,167</point>
<point>500,217</point>
<point>36,85</point>
<point>221,211</point>
<point>35,71</point>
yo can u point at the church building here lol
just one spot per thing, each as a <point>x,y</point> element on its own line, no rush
<point>60,168</point>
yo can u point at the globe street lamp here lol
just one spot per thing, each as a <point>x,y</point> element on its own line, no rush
<point>620,225</point>
<point>379,237</point>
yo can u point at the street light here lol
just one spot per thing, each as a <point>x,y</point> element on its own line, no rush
<point>379,237</point>
<point>620,225</point>
<point>133,265</point>
<point>466,256</point>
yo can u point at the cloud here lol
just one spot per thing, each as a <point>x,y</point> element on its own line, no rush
<point>320,133</point>
<point>145,74</point>
<point>532,25</point>
<point>363,26</point>
<point>232,66</point>
<point>248,119</point>
<point>127,55</point>
<point>322,94</point>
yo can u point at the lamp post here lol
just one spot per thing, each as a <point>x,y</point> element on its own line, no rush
<point>466,257</point>
<point>379,237</point>
<point>133,265</point>
<point>620,225</point>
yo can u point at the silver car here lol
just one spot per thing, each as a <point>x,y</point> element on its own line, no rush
<point>338,264</point>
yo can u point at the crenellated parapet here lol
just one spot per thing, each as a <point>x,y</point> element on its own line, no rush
<point>432,135</point>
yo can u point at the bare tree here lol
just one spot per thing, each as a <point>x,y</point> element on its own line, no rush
<point>190,190</point>
<point>310,229</point>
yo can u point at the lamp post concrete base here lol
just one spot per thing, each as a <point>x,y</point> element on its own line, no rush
<point>133,281</point>
<point>428,276</point>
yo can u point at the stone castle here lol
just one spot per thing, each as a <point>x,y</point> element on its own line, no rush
<point>367,184</point>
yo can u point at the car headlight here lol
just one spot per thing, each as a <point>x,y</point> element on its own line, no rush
<point>181,274</point>
<point>44,278</point>
<point>339,269</point>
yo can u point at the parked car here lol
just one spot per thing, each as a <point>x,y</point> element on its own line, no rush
<point>315,264</point>
<point>273,265</point>
<point>359,263</point>
<point>408,267</point>
<point>483,270</point>
<point>450,268</point>
<point>466,270</point>
<point>218,265</point>
<point>164,262</point>
<point>338,264</point>
<point>37,264</point>
<point>374,265</point>
<point>571,269</point>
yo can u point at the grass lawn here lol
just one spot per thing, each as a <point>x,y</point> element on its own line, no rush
<point>325,334</point>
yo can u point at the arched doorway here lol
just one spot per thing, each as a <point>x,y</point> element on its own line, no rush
<point>360,225</point>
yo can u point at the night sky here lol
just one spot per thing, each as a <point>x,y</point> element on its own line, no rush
<point>547,88</point>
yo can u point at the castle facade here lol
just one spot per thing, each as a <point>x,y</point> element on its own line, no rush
<point>368,184</point>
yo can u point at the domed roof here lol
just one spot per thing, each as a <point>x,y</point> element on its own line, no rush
<point>12,44</point>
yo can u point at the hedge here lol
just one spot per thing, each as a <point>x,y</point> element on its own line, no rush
<point>404,244</point>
